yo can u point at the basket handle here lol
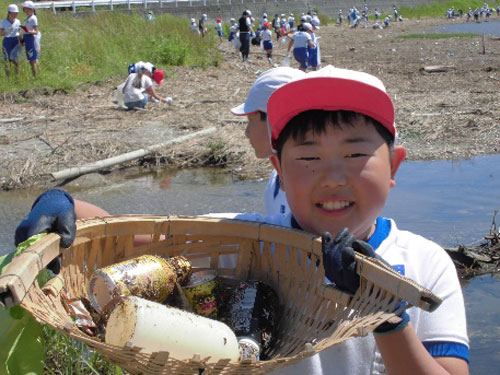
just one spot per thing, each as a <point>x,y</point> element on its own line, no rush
<point>25,267</point>
<point>392,281</point>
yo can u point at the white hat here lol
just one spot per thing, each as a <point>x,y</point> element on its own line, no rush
<point>29,4</point>
<point>307,26</point>
<point>263,87</point>
<point>12,8</point>
<point>192,20</point>
<point>232,20</point>
<point>248,12</point>
<point>331,89</point>
<point>264,14</point>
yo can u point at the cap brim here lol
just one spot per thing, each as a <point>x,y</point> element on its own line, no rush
<point>329,94</point>
<point>242,110</point>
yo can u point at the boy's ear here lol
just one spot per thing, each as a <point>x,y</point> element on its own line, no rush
<point>398,155</point>
<point>277,165</point>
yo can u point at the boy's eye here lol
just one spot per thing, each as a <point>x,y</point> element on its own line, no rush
<point>355,155</point>
<point>308,158</point>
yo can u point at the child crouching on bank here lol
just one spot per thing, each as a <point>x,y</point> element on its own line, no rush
<point>337,161</point>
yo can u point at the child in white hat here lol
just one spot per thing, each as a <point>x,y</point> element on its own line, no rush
<point>31,36</point>
<point>300,41</point>
<point>257,131</point>
<point>193,26</point>
<point>11,45</point>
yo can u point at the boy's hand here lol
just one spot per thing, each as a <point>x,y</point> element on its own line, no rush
<point>53,211</point>
<point>339,263</point>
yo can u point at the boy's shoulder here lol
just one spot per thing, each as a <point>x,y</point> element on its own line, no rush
<point>416,251</point>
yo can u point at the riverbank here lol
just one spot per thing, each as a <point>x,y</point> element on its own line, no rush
<point>442,115</point>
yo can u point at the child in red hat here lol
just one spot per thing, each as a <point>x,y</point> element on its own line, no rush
<point>218,28</point>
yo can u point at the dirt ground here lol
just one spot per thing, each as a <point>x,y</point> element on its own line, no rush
<point>445,115</point>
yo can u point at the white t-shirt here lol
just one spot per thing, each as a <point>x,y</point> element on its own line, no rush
<point>266,35</point>
<point>301,39</point>
<point>276,202</point>
<point>11,29</point>
<point>193,26</point>
<point>31,22</point>
<point>443,331</point>
<point>135,87</point>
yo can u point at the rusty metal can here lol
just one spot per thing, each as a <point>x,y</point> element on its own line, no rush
<point>201,293</point>
<point>148,276</point>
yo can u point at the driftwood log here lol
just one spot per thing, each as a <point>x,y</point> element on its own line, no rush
<point>473,261</point>
<point>123,158</point>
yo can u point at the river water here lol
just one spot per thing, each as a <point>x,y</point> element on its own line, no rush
<point>450,202</point>
<point>488,28</point>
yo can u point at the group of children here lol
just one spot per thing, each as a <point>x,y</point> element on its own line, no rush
<point>246,31</point>
<point>477,14</point>
<point>355,17</point>
<point>301,37</point>
<point>15,36</point>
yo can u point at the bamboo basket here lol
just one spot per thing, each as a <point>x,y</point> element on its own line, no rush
<point>315,316</point>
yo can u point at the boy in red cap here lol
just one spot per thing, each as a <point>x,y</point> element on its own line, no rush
<point>337,160</point>
<point>267,41</point>
<point>334,135</point>
<point>218,28</point>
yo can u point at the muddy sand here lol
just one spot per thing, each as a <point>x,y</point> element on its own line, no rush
<point>441,115</point>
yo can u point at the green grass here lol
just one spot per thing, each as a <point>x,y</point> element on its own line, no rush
<point>437,36</point>
<point>94,48</point>
<point>67,356</point>
<point>438,9</point>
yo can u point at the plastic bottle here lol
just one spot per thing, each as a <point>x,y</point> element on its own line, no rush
<point>147,276</point>
<point>155,327</point>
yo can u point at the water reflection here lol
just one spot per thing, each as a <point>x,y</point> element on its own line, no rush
<point>489,28</point>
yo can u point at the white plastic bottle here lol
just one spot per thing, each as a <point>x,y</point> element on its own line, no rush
<point>155,327</point>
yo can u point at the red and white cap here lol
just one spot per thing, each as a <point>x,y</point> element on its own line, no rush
<point>158,76</point>
<point>331,89</point>
<point>263,87</point>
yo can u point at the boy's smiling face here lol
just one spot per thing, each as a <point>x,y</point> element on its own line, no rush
<point>339,178</point>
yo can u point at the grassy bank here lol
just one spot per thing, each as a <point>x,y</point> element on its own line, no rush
<point>438,9</point>
<point>97,47</point>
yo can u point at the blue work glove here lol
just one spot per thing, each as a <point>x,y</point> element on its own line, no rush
<point>53,211</point>
<point>339,263</point>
